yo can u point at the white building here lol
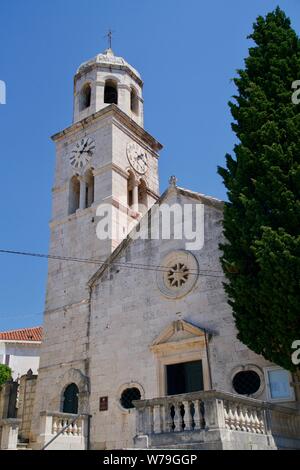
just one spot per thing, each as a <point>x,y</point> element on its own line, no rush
<point>20,350</point>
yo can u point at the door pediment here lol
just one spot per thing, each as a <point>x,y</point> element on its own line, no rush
<point>179,334</point>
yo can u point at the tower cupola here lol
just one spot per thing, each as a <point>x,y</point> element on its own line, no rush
<point>107,79</point>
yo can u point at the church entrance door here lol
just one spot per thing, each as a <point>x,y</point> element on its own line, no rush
<point>184,377</point>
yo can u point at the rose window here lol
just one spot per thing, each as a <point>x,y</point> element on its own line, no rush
<point>178,275</point>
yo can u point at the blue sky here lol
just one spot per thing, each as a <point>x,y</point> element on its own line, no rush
<point>186,50</point>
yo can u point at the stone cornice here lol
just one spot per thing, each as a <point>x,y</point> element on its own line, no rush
<point>88,67</point>
<point>119,116</point>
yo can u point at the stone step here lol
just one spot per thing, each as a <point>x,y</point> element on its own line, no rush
<point>190,446</point>
<point>23,446</point>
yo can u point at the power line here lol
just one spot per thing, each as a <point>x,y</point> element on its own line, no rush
<point>146,267</point>
<point>61,307</point>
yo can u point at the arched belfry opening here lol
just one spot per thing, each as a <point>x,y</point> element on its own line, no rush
<point>85,97</point>
<point>134,101</point>
<point>142,197</point>
<point>70,399</point>
<point>111,92</point>
<point>74,194</point>
<point>89,188</point>
<point>130,190</point>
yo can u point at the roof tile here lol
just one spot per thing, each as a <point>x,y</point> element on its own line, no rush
<point>24,334</point>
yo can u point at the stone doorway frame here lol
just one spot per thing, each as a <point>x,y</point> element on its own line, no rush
<point>180,342</point>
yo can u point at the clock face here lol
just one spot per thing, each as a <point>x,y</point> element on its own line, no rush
<point>137,157</point>
<point>82,153</point>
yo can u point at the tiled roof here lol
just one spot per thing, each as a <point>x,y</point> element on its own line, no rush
<point>24,334</point>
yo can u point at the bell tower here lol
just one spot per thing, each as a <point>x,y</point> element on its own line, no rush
<point>105,157</point>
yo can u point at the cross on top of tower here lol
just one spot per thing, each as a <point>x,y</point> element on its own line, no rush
<point>109,38</point>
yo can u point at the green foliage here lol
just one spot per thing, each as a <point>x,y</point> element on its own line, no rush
<point>5,373</point>
<point>261,255</point>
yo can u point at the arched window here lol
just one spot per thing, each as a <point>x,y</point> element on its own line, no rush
<point>89,188</point>
<point>70,400</point>
<point>110,92</point>
<point>74,195</point>
<point>134,102</point>
<point>85,97</point>
<point>130,189</point>
<point>142,195</point>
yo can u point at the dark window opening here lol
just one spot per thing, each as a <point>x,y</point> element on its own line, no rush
<point>130,186</point>
<point>85,97</point>
<point>130,198</point>
<point>89,189</point>
<point>134,103</point>
<point>74,196</point>
<point>110,93</point>
<point>184,377</point>
<point>70,404</point>
<point>86,196</point>
<point>246,382</point>
<point>142,197</point>
<point>128,396</point>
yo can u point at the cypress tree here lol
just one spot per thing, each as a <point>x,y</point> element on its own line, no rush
<point>261,252</point>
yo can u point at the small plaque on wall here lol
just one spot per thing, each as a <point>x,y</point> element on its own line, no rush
<point>103,403</point>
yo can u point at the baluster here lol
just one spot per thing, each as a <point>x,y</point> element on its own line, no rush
<point>165,415</point>
<point>202,409</point>
<point>54,425</point>
<point>251,419</point>
<point>247,420</point>
<point>187,418</point>
<point>156,419</point>
<point>75,429</point>
<point>257,423</point>
<point>65,422</point>
<point>177,417</point>
<point>192,414</point>
<point>262,417</point>
<point>236,418</point>
<point>242,419</point>
<point>230,416</point>
<point>171,414</point>
<point>197,415</point>
<point>226,417</point>
<point>59,425</point>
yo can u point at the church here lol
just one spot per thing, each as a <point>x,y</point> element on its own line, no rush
<point>140,348</point>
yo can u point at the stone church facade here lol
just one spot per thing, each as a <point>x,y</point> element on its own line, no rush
<point>139,339</point>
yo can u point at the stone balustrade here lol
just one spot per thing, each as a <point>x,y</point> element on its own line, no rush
<point>284,423</point>
<point>71,434</point>
<point>66,426</point>
<point>244,417</point>
<point>232,420</point>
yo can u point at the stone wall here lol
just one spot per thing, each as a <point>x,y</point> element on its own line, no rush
<point>27,390</point>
